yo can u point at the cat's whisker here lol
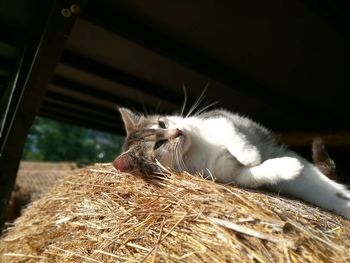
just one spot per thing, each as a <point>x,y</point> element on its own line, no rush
<point>185,101</point>
<point>197,102</point>
<point>181,162</point>
<point>194,106</point>
<point>178,157</point>
<point>199,111</point>
<point>177,163</point>
<point>144,108</point>
<point>157,107</point>
<point>210,174</point>
<point>174,158</point>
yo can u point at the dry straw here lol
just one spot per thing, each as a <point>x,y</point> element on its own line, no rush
<point>99,215</point>
<point>37,178</point>
<point>33,180</point>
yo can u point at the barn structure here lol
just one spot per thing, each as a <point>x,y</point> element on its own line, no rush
<point>285,63</point>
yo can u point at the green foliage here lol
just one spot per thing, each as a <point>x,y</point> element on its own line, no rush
<point>49,140</point>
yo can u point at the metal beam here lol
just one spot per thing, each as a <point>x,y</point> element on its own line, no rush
<point>99,95</point>
<point>77,121</point>
<point>87,64</point>
<point>42,50</point>
<point>335,13</point>
<point>305,139</point>
<point>98,99</point>
<point>7,63</point>
<point>81,105</point>
<point>121,22</point>
<point>82,114</point>
<point>12,36</point>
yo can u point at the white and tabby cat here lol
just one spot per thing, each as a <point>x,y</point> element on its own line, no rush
<point>229,147</point>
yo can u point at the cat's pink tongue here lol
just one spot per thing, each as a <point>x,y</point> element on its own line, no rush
<point>121,163</point>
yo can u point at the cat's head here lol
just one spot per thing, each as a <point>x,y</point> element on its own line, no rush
<point>151,138</point>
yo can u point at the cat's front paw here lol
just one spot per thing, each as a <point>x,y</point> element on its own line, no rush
<point>285,168</point>
<point>251,158</point>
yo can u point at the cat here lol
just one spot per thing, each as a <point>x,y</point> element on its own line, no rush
<point>228,148</point>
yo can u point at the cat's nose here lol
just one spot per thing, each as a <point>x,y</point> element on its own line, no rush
<point>173,133</point>
<point>178,133</point>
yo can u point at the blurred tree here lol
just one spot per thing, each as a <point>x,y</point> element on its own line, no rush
<point>49,140</point>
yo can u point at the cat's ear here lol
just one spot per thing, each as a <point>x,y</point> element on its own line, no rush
<point>130,119</point>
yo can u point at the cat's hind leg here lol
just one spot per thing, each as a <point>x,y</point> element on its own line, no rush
<point>316,188</point>
<point>270,172</point>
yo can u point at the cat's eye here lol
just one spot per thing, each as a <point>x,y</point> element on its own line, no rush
<point>159,144</point>
<point>161,124</point>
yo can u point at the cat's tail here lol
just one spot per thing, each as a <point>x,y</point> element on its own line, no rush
<point>314,187</point>
<point>322,160</point>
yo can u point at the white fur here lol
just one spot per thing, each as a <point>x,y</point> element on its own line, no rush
<point>246,155</point>
<point>271,171</point>
<point>316,188</point>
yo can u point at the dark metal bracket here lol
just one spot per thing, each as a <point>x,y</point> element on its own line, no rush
<point>38,61</point>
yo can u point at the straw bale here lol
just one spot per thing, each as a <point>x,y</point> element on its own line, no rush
<point>99,215</point>
<point>37,178</point>
<point>33,180</point>
<point>38,165</point>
